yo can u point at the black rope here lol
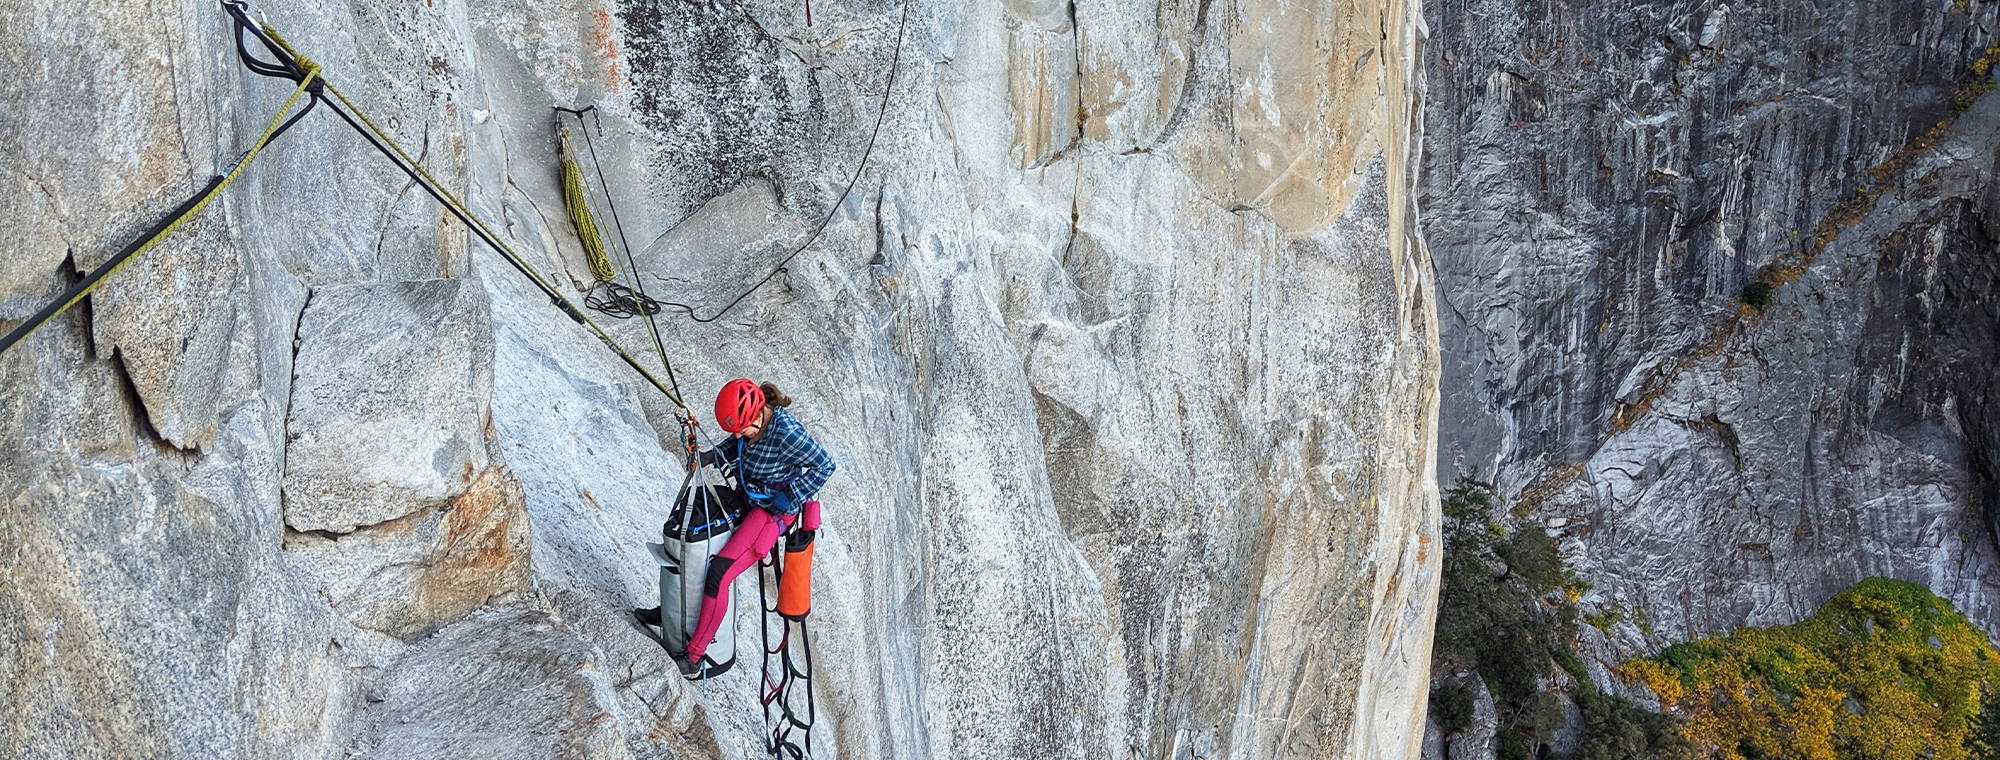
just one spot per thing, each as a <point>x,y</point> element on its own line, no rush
<point>49,311</point>
<point>619,302</point>
<point>255,65</point>
<point>243,23</point>
<point>417,178</point>
<point>286,68</point>
<point>888,90</point>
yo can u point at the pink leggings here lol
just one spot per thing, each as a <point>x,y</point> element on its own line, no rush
<point>753,539</point>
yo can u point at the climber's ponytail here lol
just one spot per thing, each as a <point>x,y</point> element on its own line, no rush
<point>773,396</point>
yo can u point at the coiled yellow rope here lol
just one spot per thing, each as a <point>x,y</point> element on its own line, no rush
<point>576,195</point>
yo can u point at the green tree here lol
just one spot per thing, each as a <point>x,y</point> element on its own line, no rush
<point>1500,614</point>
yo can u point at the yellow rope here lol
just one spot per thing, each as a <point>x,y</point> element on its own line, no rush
<point>312,73</point>
<point>576,196</point>
<point>460,206</point>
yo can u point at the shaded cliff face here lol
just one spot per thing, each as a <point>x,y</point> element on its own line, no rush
<point>1124,344</point>
<point>1617,178</point>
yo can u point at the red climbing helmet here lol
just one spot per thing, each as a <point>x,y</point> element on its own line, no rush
<point>738,405</point>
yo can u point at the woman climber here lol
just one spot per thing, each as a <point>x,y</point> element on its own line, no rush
<point>780,468</point>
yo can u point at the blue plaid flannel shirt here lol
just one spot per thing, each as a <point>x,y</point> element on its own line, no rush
<point>785,457</point>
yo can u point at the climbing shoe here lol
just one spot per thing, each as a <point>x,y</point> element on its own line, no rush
<point>689,669</point>
<point>649,616</point>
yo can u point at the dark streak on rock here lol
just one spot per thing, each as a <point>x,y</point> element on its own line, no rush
<point>1192,83</point>
<point>715,88</point>
<point>291,388</point>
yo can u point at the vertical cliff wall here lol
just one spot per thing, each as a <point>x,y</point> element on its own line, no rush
<point>1125,344</point>
<point>1720,283</point>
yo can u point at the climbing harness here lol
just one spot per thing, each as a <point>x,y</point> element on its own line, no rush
<point>301,70</point>
<point>888,89</point>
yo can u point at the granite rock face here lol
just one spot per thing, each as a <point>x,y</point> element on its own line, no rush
<point>389,402</point>
<point>1124,339</point>
<point>1714,454</point>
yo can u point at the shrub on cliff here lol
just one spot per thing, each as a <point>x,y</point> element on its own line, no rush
<point>1885,670</point>
<point>1758,294</point>
<point>1451,707</point>
<point>1616,729</point>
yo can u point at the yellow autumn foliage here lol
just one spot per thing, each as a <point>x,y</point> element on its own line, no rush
<point>1883,671</point>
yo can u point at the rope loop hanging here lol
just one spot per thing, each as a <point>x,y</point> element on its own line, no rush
<point>576,198</point>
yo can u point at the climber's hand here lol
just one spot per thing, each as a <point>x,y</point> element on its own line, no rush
<point>709,458</point>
